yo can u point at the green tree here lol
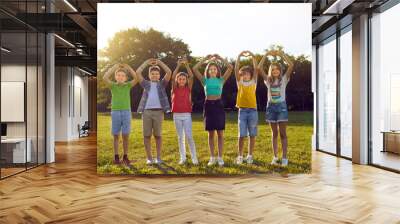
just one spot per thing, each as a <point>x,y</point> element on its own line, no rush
<point>133,46</point>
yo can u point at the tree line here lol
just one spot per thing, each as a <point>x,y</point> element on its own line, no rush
<point>133,46</point>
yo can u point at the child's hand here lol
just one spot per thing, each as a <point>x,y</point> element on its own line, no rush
<point>124,66</point>
<point>216,56</point>
<point>184,61</point>
<point>273,53</point>
<point>153,61</point>
<point>246,53</point>
<point>115,66</point>
<point>209,56</point>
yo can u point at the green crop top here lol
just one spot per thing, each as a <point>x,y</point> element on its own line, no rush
<point>213,86</point>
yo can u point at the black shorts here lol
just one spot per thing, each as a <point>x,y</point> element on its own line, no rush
<point>214,115</point>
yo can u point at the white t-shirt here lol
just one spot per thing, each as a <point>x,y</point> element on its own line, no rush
<point>277,89</point>
<point>153,100</point>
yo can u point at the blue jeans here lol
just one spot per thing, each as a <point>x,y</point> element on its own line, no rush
<point>247,121</point>
<point>276,112</point>
<point>121,122</point>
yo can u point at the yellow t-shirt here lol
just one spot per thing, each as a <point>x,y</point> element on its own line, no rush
<point>246,95</point>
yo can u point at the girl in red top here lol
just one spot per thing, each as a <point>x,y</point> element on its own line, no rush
<point>182,108</point>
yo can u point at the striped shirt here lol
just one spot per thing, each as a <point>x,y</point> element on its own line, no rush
<point>277,89</point>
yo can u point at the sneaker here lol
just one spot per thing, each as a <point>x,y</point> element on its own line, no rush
<point>285,162</point>
<point>116,160</point>
<point>220,161</point>
<point>249,159</point>
<point>149,162</point>
<point>239,160</point>
<point>182,161</point>
<point>211,162</point>
<point>126,161</point>
<point>158,161</point>
<point>275,161</point>
<point>195,161</point>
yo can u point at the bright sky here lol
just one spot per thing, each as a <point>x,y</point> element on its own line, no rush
<point>223,28</point>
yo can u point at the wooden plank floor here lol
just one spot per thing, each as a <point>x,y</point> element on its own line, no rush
<point>70,191</point>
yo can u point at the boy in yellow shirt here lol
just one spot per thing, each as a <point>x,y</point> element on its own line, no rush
<point>246,81</point>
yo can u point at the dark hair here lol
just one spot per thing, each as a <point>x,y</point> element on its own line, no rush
<point>182,74</point>
<point>154,68</point>
<point>208,67</point>
<point>248,69</point>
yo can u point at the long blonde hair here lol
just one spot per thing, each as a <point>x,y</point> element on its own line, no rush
<point>270,77</point>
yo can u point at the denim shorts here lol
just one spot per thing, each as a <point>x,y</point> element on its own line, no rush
<point>247,121</point>
<point>276,112</point>
<point>121,122</point>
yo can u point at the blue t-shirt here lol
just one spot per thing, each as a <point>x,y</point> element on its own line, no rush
<point>153,102</point>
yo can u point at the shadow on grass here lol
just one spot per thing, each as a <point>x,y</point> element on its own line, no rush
<point>164,168</point>
<point>258,167</point>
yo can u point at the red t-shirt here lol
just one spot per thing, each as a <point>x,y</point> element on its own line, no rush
<point>181,100</point>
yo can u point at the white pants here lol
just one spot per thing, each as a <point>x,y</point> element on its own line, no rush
<point>183,124</point>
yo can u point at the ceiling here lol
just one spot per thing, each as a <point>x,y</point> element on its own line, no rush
<point>75,21</point>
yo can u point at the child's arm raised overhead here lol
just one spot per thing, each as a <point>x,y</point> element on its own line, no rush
<point>237,67</point>
<point>261,67</point>
<point>141,68</point>
<point>109,73</point>
<point>289,70</point>
<point>196,71</point>
<point>166,69</point>
<point>228,72</point>
<point>255,70</point>
<point>190,73</point>
<point>132,72</point>
<point>173,79</point>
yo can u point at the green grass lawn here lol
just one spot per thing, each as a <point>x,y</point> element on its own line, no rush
<point>299,133</point>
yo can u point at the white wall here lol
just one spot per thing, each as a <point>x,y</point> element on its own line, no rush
<point>61,103</point>
<point>70,83</point>
<point>12,73</point>
<point>33,126</point>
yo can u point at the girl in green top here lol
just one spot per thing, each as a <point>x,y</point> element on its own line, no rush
<point>214,114</point>
<point>120,106</point>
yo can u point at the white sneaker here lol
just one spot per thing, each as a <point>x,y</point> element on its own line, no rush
<point>182,161</point>
<point>239,160</point>
<point>149,162</point>
<point>211,162</point>
<point>285,162</point>
<point>220,161</point>
<point>158,161</point>
<point>275,161</point>
<point>249,159</point>
<point>195,161</point>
